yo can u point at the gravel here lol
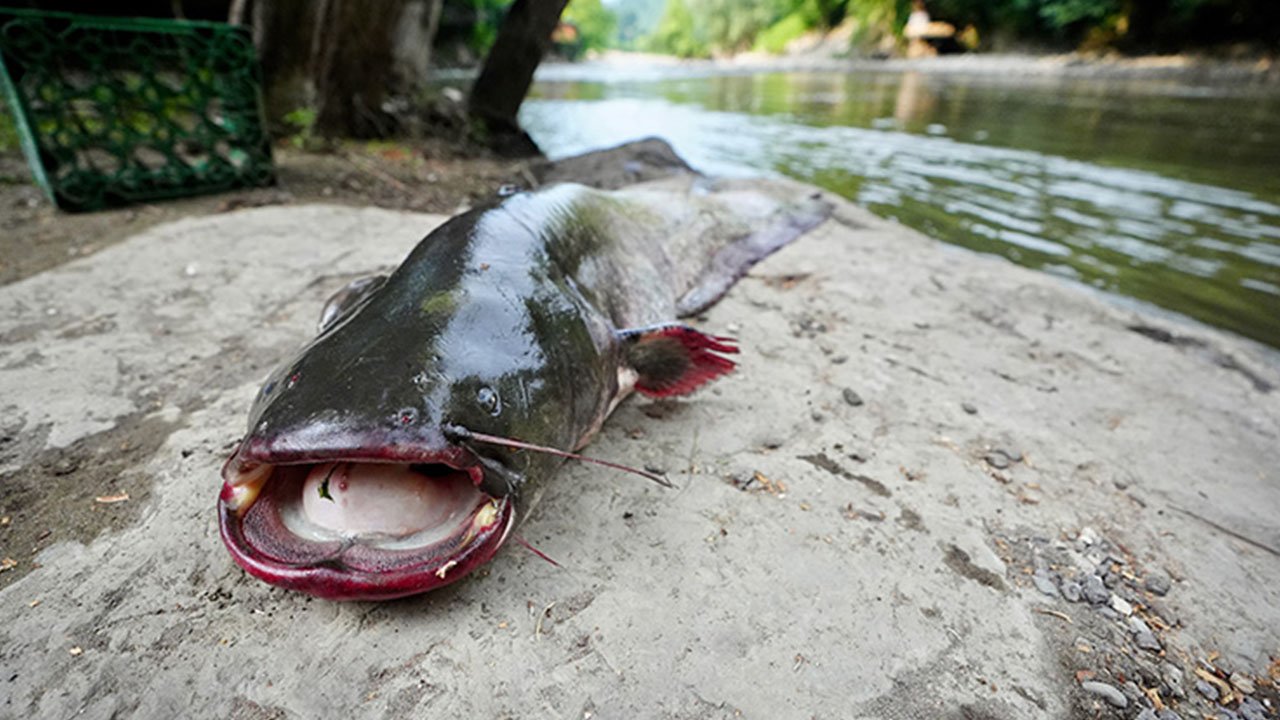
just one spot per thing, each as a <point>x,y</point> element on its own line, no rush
<point>1094,591</point>
<point>1243,683</point>
<point>1110,693</point>
<point>1210,692</point>
<point>1071,591</point>
<point>852,397</point>
<point>1147,641</point>
<point>969,408</point>
<point>1044,583</point>
<point>1158,583</point>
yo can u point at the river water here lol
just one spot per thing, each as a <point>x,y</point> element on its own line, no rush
<point>1163,191</point>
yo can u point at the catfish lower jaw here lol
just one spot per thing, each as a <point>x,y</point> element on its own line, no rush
<point>348,530</point>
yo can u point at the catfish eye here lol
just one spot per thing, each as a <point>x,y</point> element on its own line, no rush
<point>489,401</point>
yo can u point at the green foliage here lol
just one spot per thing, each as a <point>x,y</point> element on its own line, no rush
<point>636,20</point>
<point>303,120</point>
<point>596,24</point>
<point>676,33</point>
<point>700,27</point>
<point>8,130</point>
<point>1064,13</point>
<point>489,14</point>
<point>775,38</point>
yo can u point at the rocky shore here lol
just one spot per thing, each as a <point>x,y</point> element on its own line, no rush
<point>939,486</point>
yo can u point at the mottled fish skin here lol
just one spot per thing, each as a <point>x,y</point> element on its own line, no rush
<point>505,320</point>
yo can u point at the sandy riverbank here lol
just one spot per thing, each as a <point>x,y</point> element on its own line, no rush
<point>940,486</point>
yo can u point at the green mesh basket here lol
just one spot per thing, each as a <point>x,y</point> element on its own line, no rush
<point>118,110</point>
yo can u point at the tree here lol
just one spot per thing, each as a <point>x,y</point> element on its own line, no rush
<point>339,61</point>
<point>496,95</point>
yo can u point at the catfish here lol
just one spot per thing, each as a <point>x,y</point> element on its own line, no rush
<point>396,452</point>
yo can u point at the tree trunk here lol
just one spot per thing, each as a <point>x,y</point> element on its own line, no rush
<point>523,38</point>
<point>332,56</point>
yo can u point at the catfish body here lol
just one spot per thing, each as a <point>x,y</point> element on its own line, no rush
<point>528,320</point>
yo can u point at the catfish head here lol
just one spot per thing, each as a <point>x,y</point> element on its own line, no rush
<point>372,467</point>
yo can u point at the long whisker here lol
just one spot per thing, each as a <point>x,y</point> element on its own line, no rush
<point>466,434</point>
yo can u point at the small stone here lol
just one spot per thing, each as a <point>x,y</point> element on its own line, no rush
<point>997,460</point>
<point>1071,591</point>
<point>852,397</point>
<point>1138,625</point>
<point>1167,714</point>
<point>1044,583</point>
<point>655,469</point>
<point>1174,679</point>
<point>969,408</point>
<point>1088,536</point>
<point>1243,683</point>
<point>1251,709</point>
<point>1107,692</point>
<point>1147,714</point>
<point>1147,641</point>
<point>839,359</point>
<point>1121,605</point>
<point>1157,582</point>
<point>816,416</point>
<point>1210,692</point>
<point>1094,591</point>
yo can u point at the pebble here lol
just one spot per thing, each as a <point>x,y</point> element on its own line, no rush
<point>1210,692</point>
<point>1044,583</point>
<point>852,397</point>
<point>1071,591</point>
<point>1094,591</point>
<point>997,460</point>
<point>1121,605</point>
<point>1147,641</point>
<point>1251,709</point>
<point>1167,714</point>
<point>1243,683</point>
<point>1106,692</point>
<point>1088,536</point>
<point>816,416</point>
<point>1157,582</point>
<point>1174,679</point>
<point>969,408</point>
<point>1148,714</point>
<point>1137,625</point>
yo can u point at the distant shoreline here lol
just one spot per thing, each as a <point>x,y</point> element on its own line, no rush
<point>1188,68</point>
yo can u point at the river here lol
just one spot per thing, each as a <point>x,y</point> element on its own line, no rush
<point>1163,191</point>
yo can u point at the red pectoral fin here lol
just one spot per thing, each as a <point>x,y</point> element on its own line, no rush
<point>676,359</point>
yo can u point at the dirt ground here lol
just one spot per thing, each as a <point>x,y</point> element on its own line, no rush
<point>939,486</point>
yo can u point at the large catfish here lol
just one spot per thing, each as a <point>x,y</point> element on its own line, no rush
<point>395,453</point>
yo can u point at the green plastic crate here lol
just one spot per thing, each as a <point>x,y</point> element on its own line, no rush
<point>118,110</point>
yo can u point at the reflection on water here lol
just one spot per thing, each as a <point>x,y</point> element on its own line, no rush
<point>1167,193</point>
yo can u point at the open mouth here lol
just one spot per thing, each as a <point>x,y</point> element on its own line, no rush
<point>356,528</point>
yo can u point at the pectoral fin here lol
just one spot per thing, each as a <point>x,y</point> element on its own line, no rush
<point>346,299</point>
<point>675,359</point>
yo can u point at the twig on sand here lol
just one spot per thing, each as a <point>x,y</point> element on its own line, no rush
<point>1055,613</point>
<point>1229,531</point>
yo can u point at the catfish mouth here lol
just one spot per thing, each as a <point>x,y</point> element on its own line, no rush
<point>360,526</point>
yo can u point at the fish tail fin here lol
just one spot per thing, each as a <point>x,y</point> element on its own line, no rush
<point>675,359</point>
